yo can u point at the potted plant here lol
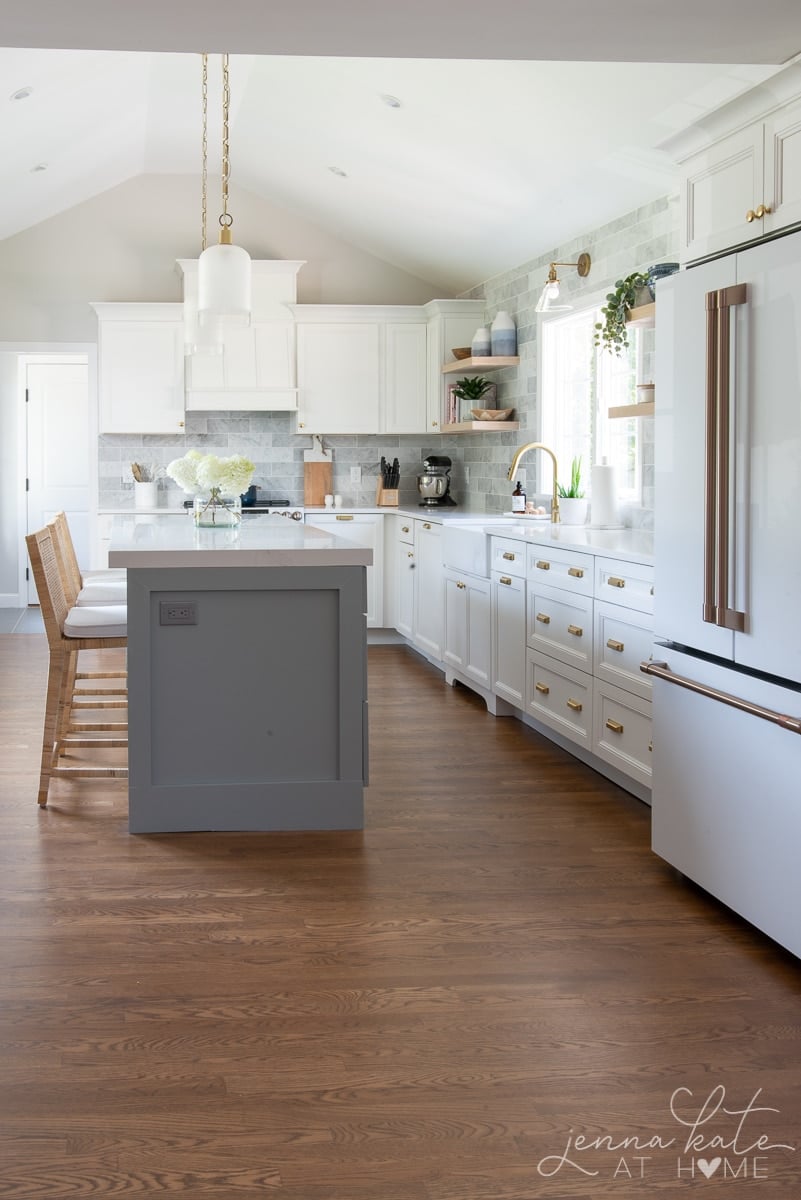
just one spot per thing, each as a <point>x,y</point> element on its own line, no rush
<point>474,388</point>
<point>572,504</point>
<point>611,333</point>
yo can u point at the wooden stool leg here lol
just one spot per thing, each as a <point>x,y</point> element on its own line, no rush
<point>69,671</point>
<point>54,680</point>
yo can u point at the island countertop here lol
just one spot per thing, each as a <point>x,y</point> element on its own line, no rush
<point>260,540</point>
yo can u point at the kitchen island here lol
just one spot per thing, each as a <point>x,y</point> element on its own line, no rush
<point>247,675</point>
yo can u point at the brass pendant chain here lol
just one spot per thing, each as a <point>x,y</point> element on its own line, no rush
<point>225,220</point>
<point>205,171</point>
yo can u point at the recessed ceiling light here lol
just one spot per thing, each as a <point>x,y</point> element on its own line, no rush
<point>21,93</point>
<point>391,101</point>
<point>338,171</point>
<point>38,167</point>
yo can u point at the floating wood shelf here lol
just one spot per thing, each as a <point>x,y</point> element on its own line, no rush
<point>481,427</point>
<point>646,409</point>
<point>480,364</point>
<point>645,314</point>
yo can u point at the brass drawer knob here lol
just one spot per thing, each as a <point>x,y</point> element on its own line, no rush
<point>576,705</point>
<point>543,566</point>
<point>544,618</point>
<point>460,585</point>
<point>576,572</point>
<point>614,581</point>
<point>615,726</point>
<point>505,579</point>
<point>613,645</point>
<point>763,210</point>
<point>404,528</point>
<point>410,554</point>
<point>508,554</point>
<point>426,525</point>
<point>576,630</point>
<point>543,688</point>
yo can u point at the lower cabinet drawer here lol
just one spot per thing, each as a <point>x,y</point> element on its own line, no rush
<point>622,733</point>
<point>560,696</point>
<point>560,624</point>
<point>623,639</point>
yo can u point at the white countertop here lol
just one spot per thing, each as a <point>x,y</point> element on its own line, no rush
<point>173,540</point>
<point>634,545</point>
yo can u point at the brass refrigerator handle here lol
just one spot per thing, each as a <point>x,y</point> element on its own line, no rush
<point>662,671</point>
<point>716,609</point>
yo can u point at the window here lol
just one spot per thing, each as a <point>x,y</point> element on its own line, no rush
<point>579,385</point>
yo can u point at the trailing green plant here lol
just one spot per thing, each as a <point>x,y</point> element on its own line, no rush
<point>574,491</point>
<point>471,387</point>
<point>611,333</point>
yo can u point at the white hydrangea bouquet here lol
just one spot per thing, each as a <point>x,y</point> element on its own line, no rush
<point>221,482</point>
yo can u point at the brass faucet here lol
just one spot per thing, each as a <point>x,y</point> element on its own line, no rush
<point>510,474</point>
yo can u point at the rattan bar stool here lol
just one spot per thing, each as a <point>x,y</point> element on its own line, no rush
<point>71,629</point>
<point>96,587</point>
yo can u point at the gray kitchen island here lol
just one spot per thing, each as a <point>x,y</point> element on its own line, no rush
<point>247,675</point>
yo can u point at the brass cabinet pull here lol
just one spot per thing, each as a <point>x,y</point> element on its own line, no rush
<point>180,424</point>
<point>505,579</point>
<point>542,687</point>
<point>344,517</point>
<point>434,424</point>
<point>576,572</point>
<point>650,745</point>
<point>576,705</point>
<point>750,215</point>
<point>615,726</point>
<point>508,554</point>
<point>404,528</point>
<point>459,584</point>
<point>410,554</point>
<point>615,581</point>
<point>576,630</point>
<point>426,525</point>
<point>613,645</point>
<point>543,566</point>
<point>544,618</point>
<point>301,424</point>
<point>763,210</point>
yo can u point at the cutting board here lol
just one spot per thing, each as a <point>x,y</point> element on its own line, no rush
<point>318,482</point>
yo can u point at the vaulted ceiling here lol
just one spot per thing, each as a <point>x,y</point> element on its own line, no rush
<point>514,129</point>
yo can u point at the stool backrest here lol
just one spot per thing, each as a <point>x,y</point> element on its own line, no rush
<point>66,557</point>
<point>53,600</point>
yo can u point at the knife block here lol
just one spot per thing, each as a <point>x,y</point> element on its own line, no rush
<point>386,497</point>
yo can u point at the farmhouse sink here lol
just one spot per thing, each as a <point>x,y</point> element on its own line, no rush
<point>466,548</point>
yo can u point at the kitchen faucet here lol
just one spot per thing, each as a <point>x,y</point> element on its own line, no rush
<point>510,474</point>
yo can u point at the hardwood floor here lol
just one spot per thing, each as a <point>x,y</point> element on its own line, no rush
<point>434,1009</point>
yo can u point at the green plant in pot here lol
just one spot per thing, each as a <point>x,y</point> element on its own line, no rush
<point>611,333</point>
<point>572,503</point>
<point>471,388</point>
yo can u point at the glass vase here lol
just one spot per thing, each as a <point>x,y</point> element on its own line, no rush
<point>214,511</point>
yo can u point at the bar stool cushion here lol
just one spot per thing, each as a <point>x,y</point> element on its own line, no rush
<point>105,576</point>
<point>101,591</point>
<point>100,620</point>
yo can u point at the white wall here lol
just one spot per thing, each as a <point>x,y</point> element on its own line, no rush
<point>11,486</point>
<point>122,245</point>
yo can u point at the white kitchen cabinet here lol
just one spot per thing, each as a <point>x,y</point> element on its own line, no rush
<point>140,368</point>
<point>405,570</point>
<point>744,186</point>
<point>560,625</point>
<point>560,696</point>
<point>622,731</point>
<point>365,529</point>
<point>451,324</point>
<point>403,400</point>
<point>429,589</point>
<point>339,377</point>
<point>508,630</point>
<point>623,639</point>
<point>467,625</point>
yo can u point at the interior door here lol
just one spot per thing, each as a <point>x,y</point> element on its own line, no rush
<point>57,412</point>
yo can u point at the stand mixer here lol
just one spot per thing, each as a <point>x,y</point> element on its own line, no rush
<point>434,483</point>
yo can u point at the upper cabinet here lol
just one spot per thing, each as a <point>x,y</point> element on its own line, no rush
<point>744,186</point>
<point>140,368</point>
<point>255,372</point>
<point>361,369</point>
<point>451,324</point>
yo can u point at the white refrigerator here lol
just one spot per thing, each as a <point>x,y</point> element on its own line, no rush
<point>726,665</point>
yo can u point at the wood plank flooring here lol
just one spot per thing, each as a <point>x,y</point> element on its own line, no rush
<point>435,1009</point>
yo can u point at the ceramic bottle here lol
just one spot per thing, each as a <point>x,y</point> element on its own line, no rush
<point>503,336</point>
<point>480,345</point>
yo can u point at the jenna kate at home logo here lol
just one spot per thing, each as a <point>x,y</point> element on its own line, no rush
<point>717,1137</point>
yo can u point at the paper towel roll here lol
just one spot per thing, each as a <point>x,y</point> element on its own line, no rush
<point>604,496</point>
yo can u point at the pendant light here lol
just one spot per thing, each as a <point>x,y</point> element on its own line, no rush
<point>224,270</point>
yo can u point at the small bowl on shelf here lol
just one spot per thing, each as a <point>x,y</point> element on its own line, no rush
<point>491,414</point>
<point>461,352</point>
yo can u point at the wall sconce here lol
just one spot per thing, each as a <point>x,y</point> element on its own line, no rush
<point>550,293</point>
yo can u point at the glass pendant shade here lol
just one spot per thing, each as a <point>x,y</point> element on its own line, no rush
<point>201,339</point>
<point>224,285</point>
<point>548,300</point>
